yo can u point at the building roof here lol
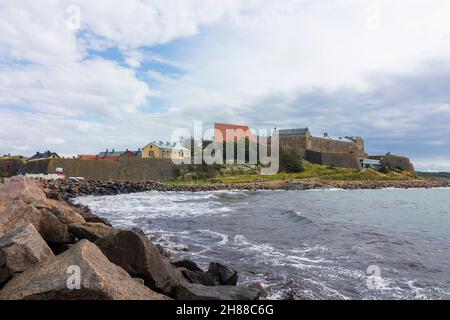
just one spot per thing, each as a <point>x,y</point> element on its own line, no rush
<point>44,155</point>
<point>291,132</point>
<point>168,146</point>
<point>110,154</point>
<point>240,132</point>
<point>116,153</point>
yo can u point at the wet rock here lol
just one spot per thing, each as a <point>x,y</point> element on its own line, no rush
<point>140,258</point>
<point>187,264</point>
<point>99,279</point>
<point>20,249</point>
<point>89,230</point>
<point>200,277</point>
<point>217,274</point>
<point>96,219</point>
<point>223,274</point>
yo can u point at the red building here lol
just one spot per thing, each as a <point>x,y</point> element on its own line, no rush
<point>232,133</point>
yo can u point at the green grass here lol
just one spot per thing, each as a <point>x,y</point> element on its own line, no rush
<point>311,171</point>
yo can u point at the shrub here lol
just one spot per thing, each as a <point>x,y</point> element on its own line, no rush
<point>290,161</point>
<point>384,168</point>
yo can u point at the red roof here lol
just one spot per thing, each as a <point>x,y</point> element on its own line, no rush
<point>87,156</point>
<point>232,133</point>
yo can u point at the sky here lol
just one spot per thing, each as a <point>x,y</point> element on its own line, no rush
<point>78,77</point>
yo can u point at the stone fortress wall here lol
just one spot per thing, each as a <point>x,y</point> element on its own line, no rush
<point>126,169</point>
<point>325,151</point>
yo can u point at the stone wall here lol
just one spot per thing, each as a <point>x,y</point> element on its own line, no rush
<point>298,143</point>
<point>302,143</point>
<point>132,169</point>
<point>342,160</point>
<point>396,162</point>
<point>10,167</point>
<point>337,146</point>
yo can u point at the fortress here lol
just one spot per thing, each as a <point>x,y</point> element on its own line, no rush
<point>325,151</point>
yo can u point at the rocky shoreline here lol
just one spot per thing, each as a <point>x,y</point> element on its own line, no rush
<point>71,189</point>
<point>50,249</point>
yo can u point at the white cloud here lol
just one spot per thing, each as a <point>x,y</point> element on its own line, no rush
<point>302,45</point>
<point>241,57</point>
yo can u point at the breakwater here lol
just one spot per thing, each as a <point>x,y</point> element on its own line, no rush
<point>72,189</point>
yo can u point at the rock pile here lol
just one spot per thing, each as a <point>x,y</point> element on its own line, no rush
<point>66,189</point>
<point>52,250</point>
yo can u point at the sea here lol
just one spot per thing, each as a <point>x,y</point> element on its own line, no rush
<point>314,244</point>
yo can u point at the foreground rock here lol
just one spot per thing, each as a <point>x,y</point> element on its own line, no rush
<point>224,275</point>
<point>217,274</point>
<point>23,202</point>
<point>89,230</point>
<point>99,279</point>
<point>133,252</point>
<point>19,250</point>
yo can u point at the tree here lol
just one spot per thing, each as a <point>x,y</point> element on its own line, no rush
<point>290,161</point>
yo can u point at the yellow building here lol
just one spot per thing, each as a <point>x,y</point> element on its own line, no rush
<point>165,151</point>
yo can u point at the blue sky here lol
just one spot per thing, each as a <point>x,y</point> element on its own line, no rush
<point>83,76</point>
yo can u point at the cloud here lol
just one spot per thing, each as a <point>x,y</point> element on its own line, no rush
<point>135,71</point>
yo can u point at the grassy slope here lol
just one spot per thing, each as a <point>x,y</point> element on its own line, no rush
<point>311,171</point>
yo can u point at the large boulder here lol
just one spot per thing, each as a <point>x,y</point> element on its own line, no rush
<point>217,274</point>
<point>187,264</point>
<point>132,251</point>
<point>223,274</point>
<point>52,229</point>
<point>19,214</point>
<point>90,231</point>
<point>19,250</point>
<point>87,214</point>
<point>57,279</point>
<point>65,213</point>
<point>199,277</point>
<point>25,189</point>
<point>22,202</point>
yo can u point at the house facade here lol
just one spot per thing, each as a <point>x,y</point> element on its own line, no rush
<point>165,151</point>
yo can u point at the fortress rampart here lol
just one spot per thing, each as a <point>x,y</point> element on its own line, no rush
<point>130,169</point>
<point>326,151</point>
